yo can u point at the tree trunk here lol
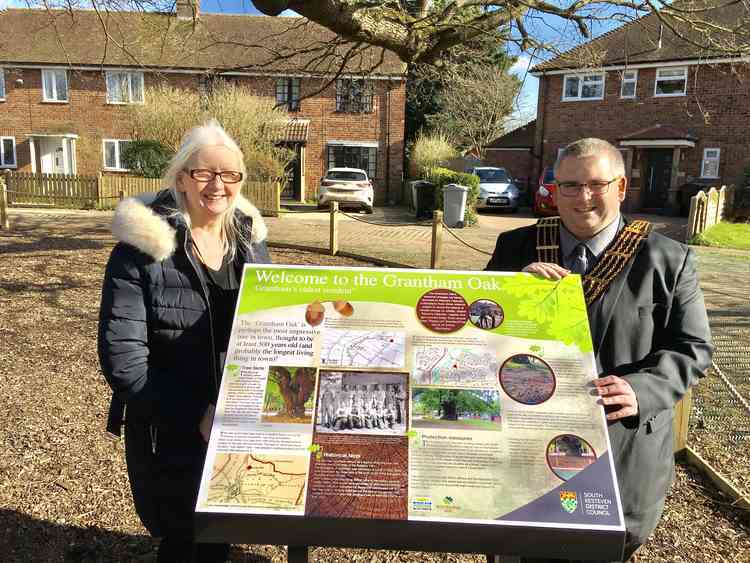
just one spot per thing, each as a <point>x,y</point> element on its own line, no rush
<point>295,391</point>
<point>449,409</point>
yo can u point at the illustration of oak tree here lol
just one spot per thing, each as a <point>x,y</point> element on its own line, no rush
<point>295,385</point>
<point>449,404</point>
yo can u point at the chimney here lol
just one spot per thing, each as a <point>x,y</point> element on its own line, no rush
<point>188,9</point>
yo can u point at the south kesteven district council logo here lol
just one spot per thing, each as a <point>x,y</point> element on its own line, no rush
<point>569,501</point>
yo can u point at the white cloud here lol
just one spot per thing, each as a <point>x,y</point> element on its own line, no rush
<point>521,67</point>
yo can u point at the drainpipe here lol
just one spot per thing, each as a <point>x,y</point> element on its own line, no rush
<point>388,142</point>
<point>540,123</point>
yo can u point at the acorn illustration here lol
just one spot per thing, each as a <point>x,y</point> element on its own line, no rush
<point>343,308</point>
<point>315,313</point>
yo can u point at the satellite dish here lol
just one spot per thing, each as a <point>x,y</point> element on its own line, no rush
<point>271,7</point>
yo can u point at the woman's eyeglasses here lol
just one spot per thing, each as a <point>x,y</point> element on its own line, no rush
<point>205,175</point>
<point>572,189</point>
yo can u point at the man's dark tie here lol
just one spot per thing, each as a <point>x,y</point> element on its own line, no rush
<point>580,261</point>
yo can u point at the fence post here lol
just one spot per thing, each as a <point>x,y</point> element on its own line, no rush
<point>334,239</point>
<point>692,218</point>
<point>437,239</point>
<point>4,222</point>
<point>276,199</point>
<point>681,421</point>
<point>99,190</point>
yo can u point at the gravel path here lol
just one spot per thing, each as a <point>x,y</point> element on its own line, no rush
<point>64,494</point>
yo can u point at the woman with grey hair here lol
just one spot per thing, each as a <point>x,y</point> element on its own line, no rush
<point>168,299</point>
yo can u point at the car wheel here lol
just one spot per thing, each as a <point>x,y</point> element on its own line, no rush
<point>368,210</point>
<point>323,206</point>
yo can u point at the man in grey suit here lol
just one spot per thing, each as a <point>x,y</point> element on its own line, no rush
<point>646,312</point>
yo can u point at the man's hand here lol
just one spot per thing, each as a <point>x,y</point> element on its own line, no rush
<point>547,270</point>
<point>207,421</point>
<point>616,391</point>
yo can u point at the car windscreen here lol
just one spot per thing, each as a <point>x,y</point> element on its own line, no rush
<point>346,176</point>
<point>498,175</point>
<point>549,175</point>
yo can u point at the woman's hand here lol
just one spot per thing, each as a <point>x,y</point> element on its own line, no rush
<point>207,421</point>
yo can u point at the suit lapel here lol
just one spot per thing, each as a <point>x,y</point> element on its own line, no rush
<point>608,303</point>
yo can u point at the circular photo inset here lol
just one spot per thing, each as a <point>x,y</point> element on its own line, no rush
<point>486,314</point>
<point>442,310</point>
<point>527,379</point>
<point>569,454</point>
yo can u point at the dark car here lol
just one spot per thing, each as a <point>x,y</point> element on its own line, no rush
<point>543,202</point>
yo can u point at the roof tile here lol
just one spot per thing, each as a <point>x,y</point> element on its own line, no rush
<point>638,41</point>
<point>219,42</point>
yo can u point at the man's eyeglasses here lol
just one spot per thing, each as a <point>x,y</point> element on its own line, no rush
<point>597,187</point>
<point>204,175</point>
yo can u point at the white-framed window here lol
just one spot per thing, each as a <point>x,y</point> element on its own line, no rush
<point>710,163</point>
<point>671,81</point>
<point>8,152</point>
<point>2,83</point>
<point>628,83</point>
<point>113,150</point>
<point>354,95</point>
<point>346,156</point>
<point>583,87</point>
<point>124,87</point>
<point>54,85</point>
<point>287,93</point>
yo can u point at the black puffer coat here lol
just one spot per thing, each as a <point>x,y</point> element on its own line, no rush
<point>156,351</point>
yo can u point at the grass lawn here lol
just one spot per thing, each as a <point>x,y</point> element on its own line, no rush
<point>725,235</point>
<point>479,424</point>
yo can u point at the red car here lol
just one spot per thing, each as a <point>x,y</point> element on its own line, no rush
<point>543,203</point>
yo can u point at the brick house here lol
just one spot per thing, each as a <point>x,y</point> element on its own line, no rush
<point>678,113</point>
<point>64,96</point>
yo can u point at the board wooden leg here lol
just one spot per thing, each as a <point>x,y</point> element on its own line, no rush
<point>297,554</point>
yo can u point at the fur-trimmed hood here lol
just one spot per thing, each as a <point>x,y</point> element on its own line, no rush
<point>139,224</point>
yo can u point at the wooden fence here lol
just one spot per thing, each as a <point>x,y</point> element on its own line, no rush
<point>113,188</point>
<point>266,196</point>
<point>104,192</point>
<point>708,208</point>
<point>53,190</point>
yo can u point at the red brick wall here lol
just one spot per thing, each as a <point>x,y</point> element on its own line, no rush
<point>716,110</point>
<point>88,115</point>
<point>385,125</point>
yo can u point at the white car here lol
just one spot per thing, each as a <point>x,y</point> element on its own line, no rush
<point>350,187</point>
<point>496,189</point>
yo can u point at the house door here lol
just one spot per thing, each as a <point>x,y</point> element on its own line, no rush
<point>56,155</point>
<point>293,177</point>
<point>658,178</point>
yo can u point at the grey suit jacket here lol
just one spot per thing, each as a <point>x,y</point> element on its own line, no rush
<point>652,330</point>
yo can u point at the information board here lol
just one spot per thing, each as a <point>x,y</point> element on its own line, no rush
<point>407,409</point>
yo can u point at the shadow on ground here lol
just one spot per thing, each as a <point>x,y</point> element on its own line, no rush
<point>27,539</point>
<point>23,538</point>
